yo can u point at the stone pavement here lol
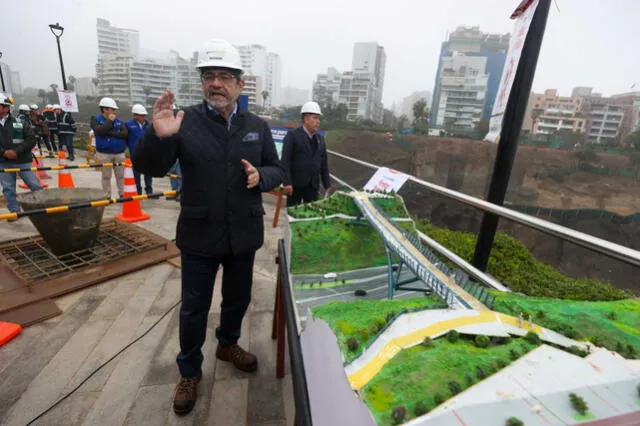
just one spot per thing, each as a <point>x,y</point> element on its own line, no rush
<point>49,359</point>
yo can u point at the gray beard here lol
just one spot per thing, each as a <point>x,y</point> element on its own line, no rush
<point>218,104</point>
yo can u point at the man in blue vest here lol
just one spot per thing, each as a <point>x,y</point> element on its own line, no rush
<point>66,130</point>
<point>16,142</point>
<point>111,141</point>
<point>136,128</point>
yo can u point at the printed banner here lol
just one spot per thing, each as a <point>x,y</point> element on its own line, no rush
<point>523,16</point>
<point>386,180</point>
<point>67,100</point>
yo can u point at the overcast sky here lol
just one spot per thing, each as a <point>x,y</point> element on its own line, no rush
<point>587,42</point>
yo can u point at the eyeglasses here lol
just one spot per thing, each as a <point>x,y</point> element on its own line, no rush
<point>210,77</point>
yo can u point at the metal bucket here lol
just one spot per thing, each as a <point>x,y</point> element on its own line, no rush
<point>67,231</point>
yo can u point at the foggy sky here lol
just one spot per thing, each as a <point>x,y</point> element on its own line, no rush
<point>587,43</point>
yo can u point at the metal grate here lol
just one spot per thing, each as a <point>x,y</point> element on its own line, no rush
<point>31,260</point>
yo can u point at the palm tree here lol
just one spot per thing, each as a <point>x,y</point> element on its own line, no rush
<point>265,96</point>
<point>71,84</point>
<point>420,116</point>
<point>42,94</point>
<point>53,94</point>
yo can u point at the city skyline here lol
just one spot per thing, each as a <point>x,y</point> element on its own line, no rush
<point>572,54</point>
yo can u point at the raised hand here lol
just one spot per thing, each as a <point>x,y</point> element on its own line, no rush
<point>253,175</point>
<point>165,123</point>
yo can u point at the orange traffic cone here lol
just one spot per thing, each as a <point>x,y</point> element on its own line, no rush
<point>131,210</point>
<point>23,185</point>
<point>8,331</point>
<point>64,176</point>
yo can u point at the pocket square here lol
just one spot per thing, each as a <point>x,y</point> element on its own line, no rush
<point>251,137</point>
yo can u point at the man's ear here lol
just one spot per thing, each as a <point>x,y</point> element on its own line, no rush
<point>241,84</point>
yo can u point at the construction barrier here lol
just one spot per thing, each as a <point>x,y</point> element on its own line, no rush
<point>97,203</point>
<point>66,167</point>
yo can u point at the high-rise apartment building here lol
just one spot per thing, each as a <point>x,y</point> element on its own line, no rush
<point>361,88</point>
<point>12,83</point>
<point>85,87</point>
<point>326,88</point>
<point>116,41</point>
<point>266,65</point>
<point>610,120</point>
<point>635,121</point>
<point>548,113</point>
<point>253,88</point>
<point>273,79</point>
<point>477,78</point>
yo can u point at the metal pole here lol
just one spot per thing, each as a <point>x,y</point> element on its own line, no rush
<point>64,79</point>
<point>508,142</point>
<point>1,76</point>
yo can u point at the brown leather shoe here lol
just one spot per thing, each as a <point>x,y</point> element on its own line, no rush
<point>241,359</point>
<point>186,395</point>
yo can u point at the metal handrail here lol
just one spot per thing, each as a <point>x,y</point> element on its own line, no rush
<point>608,248</point>
<point>474,272</point>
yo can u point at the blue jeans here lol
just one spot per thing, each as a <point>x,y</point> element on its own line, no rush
<point>8,182</point>
<point>176,184</point>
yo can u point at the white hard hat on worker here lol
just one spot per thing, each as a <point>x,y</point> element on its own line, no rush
<point>108,103</point>
<point>24,107</point>
<point>138,110</point>
<point>311,114</point>
<point>311,108</point>
<point>221,70</point>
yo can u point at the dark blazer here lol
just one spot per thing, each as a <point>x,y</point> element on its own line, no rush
<point>304,168</point>
<point>219,215</point>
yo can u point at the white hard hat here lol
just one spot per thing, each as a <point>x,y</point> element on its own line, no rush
<point>108,103</point>
<point>219,54</point>
<point>6,100</point>
<point>24,107</point>
<point>33,106</point>
<point>55,106</point>
<point>311,108</point>
<point>48,106</point>
<point>138,109</point>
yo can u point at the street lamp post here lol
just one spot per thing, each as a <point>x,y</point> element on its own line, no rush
<point>1,77</point>
<point>54,29</point>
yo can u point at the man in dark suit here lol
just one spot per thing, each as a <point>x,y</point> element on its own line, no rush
<point>227,158</point>
<point>304,155</point>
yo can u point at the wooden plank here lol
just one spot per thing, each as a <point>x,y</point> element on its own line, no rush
<point>152,405</point>
<point>8,280</point>
<point>175,261</point>
<point>31,314</point>
<point>71,282</point>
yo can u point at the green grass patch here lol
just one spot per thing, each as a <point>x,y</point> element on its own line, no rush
<point>514,265</point>
<point>583,417</point>
<point>362,319</point>
<point>614,325</point>
<point>424,375</point>
<point>391,206</point>
<point>334,245</point>
<point>337,203</point>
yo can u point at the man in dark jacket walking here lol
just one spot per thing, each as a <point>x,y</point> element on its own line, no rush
<point>111,141</point>
<point>304,155</point>
<point>16,142</point>
<point>227,158</point>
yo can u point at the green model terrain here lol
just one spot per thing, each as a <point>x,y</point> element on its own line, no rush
<point>363,319</point>
<point>613,325</point>
<point>339,244</point>
<point>421,378</point>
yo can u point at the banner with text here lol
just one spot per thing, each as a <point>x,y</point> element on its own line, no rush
<point>386,180</point>
<point>523,16</point>
<point>67,100</point>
